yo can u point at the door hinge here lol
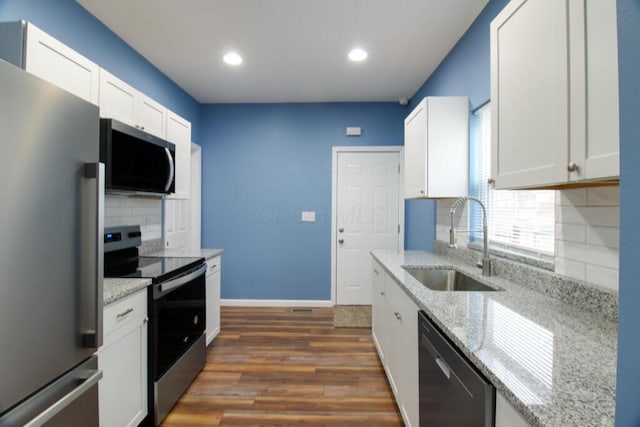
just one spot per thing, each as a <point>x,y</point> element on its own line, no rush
<point>398,168</point>
<point>398,228</point>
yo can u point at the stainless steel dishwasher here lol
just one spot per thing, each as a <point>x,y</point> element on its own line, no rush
<point>452,392</point>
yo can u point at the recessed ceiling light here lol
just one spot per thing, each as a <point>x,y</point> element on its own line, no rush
<point>232,58</point>
<point>358,55</point>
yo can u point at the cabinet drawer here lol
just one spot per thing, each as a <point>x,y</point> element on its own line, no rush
<point>124,311</point>
<point>213,265</point>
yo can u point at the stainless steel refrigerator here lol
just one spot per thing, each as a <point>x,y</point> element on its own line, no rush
<point>51,198</point>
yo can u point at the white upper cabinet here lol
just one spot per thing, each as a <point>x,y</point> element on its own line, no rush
<point>122,102</point>
<point>554,93</point>
<point>57,63</point>
<point>179,132</point>
<point>117,99</point>
<point>436,148</point>
<point>152,117</point>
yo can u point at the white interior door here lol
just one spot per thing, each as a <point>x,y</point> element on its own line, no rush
<point>367,218</point>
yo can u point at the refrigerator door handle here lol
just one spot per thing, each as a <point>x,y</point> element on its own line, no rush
<point>66,400</point>
<point>93,242</point>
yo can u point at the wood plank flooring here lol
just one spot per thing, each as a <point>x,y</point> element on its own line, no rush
<point>282,366</point>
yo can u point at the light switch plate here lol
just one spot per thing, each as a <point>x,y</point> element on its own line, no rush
<point>308,216</point>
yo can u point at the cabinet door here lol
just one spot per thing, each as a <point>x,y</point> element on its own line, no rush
<point>594,96</point>
<point>507,415</point>
<point>415,134</point>
<point>117,99</point>
<point>409,393</point>
<point>179,133</point>
<point>213,298</point>
<point>123,361</point>
<point>176,223</point>
<point>378,307</point>
<point>55,62</point>
<point>529,94</point>
<point>395,337</point>
<point>151,116</point>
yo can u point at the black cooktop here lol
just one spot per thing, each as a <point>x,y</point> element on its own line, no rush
<point>159,269</point>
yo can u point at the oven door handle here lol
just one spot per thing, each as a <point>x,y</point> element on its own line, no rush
<point>165,287</point>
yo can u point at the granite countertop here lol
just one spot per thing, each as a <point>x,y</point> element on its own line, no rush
<point>116,289</point>
<point>204,253</point>
<point>553,361</point>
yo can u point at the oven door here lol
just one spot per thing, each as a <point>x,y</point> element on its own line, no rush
<point>177,318</point>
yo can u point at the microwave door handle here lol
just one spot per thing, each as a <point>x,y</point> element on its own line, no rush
<point>171,169</point>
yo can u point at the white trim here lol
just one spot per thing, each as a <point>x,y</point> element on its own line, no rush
<point>274,303</point>
<point>334,202</point>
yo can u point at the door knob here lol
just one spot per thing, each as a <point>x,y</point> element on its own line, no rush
<point>341,230</point>
<point>340,241</point>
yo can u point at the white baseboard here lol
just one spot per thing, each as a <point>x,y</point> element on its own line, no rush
<point>274,303</point>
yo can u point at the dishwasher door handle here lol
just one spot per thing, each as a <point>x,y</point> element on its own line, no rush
<point>446,370</point>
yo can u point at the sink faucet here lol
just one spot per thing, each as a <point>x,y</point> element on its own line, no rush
<point>486,261</point>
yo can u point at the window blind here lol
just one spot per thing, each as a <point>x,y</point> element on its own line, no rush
<point>520,220</point>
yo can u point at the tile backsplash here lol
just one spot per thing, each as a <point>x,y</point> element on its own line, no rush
<point>123,210</point>
<point>586,236</point>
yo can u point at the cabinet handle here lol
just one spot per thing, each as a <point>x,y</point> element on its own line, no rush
<point>421,191</point>
<point>341,230</point>
<point>573,167</point>
<point>397,315</point>
<point>125,313</point>
<point>146,320</point>
<point>142,127</point>
<point>341,241</point>
<point>382,293</point>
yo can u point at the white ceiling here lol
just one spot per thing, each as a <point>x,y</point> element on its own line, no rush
<point>293,50</point>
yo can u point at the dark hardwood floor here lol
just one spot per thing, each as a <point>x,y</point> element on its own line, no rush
<point>282,366</point>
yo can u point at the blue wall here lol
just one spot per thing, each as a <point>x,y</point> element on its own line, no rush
<point>70,23</point>
<point>262,165</point>
<point>464,72</point>
<point>627,402</point>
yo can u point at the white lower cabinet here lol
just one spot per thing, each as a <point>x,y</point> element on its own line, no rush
<point>123,361</point>
<point>395,331</point>
<point>507,415</point>
<point>213,298</point>
<point>378,310</point>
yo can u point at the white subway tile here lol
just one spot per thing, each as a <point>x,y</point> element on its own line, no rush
<point>594,255</point>
<point>601,276</point>
<point>571,232</point>
<point>594,216</point>
<point>604,236</point>
<point>119,212</point>
<point>570,268</point>
<point>603,196</point>
<point>573,197</point>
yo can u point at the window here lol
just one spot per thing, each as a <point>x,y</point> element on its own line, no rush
<point>518,220</point>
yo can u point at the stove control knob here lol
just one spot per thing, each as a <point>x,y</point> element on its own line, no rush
<point>195,319</point>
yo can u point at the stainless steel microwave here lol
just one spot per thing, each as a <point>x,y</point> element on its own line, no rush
<point>135,161</point>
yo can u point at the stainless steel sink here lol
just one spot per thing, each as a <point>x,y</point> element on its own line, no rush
<point>447,279</point>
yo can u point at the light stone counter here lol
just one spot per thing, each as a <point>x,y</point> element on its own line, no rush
<point>196,253</point>
<point>116,289</point>
<point>553,361</point>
